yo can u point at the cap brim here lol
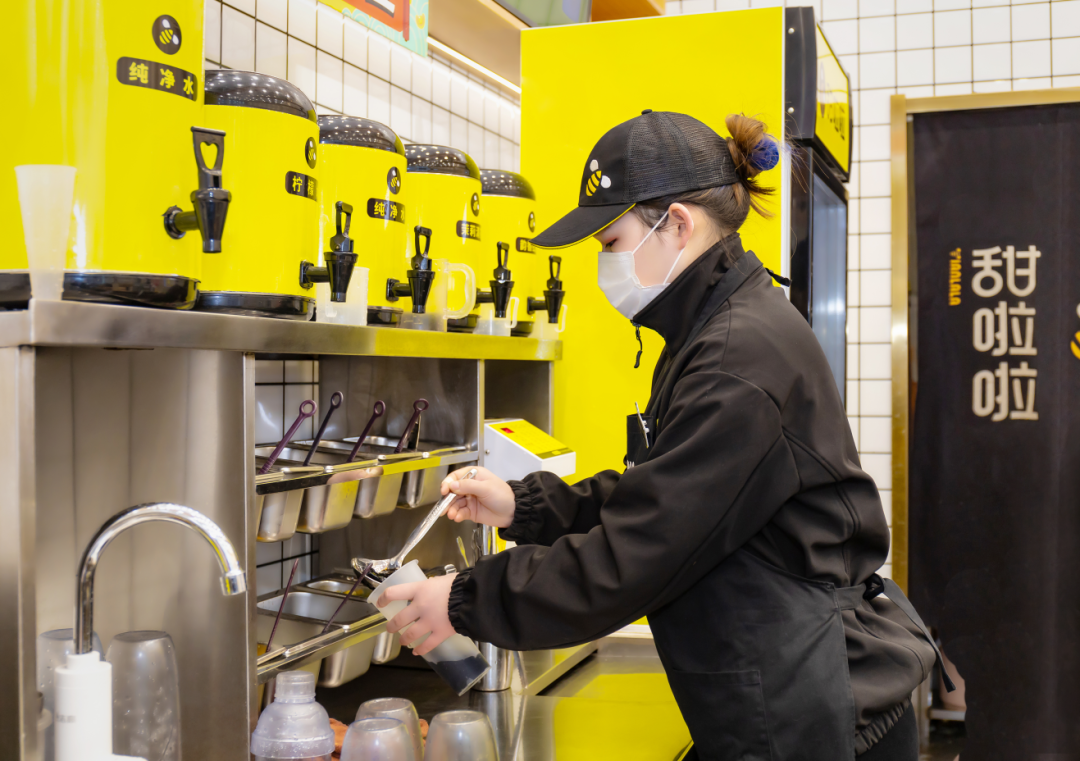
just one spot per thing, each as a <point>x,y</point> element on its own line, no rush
<point>581,223</point>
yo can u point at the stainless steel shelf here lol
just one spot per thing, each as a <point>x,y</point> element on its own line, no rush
<point>72,323</point>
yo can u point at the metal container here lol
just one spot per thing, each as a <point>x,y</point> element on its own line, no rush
<point>305,616</point>
<point>387,645</point>
<point>278,514</point>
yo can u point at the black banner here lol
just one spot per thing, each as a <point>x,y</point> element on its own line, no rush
<point>393,211</point>
<point>139,72</point>
<point>995,443</point>
<point>468,229</point>
<point>299,184</point>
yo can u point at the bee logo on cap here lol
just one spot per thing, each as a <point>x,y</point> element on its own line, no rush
<point>597,179</point>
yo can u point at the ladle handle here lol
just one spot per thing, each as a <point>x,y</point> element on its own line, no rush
<point>421,531</point>
<point>335,402</point>
<point>418,406</point>
<point>376,413</point>
<point>307,409</point>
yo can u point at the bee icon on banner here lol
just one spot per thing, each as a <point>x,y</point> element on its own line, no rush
<point>1075,345</point>
<point>597,179</point>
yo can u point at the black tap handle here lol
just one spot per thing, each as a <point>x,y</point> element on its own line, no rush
<point>555,269</point>
<point>341,242</point>
<point>420,260</point>
<point>209,177</point>
<point>502,257</point>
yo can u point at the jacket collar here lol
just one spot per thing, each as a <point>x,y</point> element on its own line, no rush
<point>673,312</point>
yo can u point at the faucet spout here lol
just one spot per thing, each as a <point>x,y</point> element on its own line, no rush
<point>233,579</point>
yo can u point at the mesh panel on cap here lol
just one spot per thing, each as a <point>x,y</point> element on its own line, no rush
<point>674,153</point>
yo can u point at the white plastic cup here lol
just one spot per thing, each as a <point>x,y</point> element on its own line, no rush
<point>46,195</point>
<point>457,659</point>
<point>353,311</point>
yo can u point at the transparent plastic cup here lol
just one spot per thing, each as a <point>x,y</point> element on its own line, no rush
<point>53,648</point>
<point>461,736</point>
<point>46,194</point>
<point>490,325</point>
<point>353,311</point>
<point>294,726</point>
<point>457,659</point>
<point>396,708</point>
<point>378,738</point>
<point>146,695</point>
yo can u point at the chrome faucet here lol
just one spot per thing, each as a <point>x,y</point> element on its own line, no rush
<point>233,579</point>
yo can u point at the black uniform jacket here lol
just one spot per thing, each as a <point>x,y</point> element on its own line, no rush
<point>755,452</point>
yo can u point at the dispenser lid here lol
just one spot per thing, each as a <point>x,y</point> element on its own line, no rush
<point>362,133</point>
<point>225,87</point>
<point>440,159</point>
<point>499,183</point>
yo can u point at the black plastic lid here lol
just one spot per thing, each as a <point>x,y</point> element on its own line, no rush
<point>499,183</point>
<point>440,159</point>
<point>225,87</point>
<point>362,133</point>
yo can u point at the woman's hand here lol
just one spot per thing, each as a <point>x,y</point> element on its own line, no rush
<point>428,611</point>
<point>485,498</point>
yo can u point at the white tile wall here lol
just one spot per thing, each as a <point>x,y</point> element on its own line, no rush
<point>920,48</point>
<point>345,69</point>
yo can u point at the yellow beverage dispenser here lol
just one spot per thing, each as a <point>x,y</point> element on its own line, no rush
<point>362,162</point>
<point>272,142</point>
<point>444,202</point>
<point>128,98</point>
<point>510,218</point>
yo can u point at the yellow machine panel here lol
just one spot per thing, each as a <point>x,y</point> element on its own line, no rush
<point>510,217</point>
<point>708,66</point>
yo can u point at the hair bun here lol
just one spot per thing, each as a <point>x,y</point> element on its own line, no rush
<point>765,155</point>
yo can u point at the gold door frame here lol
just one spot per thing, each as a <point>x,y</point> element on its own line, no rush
<point>903,243</point>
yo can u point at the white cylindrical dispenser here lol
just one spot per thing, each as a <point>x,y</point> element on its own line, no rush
<point>83,719</point>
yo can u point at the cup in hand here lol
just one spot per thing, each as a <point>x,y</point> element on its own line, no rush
<point>378,739</point>
<point>396,708</point>
<point>461,736</point>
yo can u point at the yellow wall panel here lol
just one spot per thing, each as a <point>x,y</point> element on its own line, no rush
<point>577,83</point>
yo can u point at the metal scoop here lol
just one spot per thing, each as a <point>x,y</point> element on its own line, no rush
<point>383,568</point>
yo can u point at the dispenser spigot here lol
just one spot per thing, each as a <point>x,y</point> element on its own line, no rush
<point>421,276</point>
<point>210,200</point>
<point>340,259</point>
<point>502,286</point>
<point>553,296</point>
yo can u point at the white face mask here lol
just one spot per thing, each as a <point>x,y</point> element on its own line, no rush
<point>619,282</point>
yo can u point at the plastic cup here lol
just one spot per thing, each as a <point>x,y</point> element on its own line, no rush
<point>353,311</point>
<point>396,708</point>
<point>294,726</point>
<point>461,736</point>
<point>457,659</point>
<point>46,194</point>
<point>53,648</point>
<point>378,738</point>
<point>146,696</point>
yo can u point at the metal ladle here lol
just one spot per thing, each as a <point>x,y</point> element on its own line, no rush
<point>384,568</point>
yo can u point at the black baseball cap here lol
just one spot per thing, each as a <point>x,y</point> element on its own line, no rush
<point>652,155</point>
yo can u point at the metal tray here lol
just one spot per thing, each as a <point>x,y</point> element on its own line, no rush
<point>387,645</point>
<point>305,615</point>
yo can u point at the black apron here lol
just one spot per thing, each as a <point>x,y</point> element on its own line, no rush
<point>779,689</point>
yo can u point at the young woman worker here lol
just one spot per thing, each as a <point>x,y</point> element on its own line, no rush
<point>743,526</point>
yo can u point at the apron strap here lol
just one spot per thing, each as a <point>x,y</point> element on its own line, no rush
<point>875,586</point>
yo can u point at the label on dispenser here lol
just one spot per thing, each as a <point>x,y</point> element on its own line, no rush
<point>300,185</point>
<point>525,246</point>
<point>152,75</point>
<point>377,208</point>
<point>468,229</point>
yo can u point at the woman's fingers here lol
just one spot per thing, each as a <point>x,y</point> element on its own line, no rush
<point>398,592</point>
<point>414,633</point>
<point>430,643</point>
<point>403,619</point>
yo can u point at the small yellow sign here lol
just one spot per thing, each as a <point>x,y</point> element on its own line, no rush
<point>832,124</point>
<point>531,438</point>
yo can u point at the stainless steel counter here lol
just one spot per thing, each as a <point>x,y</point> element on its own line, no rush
<point>612,702</point>
<point>72,323</point>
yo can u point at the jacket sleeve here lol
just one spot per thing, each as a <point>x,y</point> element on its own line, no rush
<point>546,507</point>
<point>717,473</point>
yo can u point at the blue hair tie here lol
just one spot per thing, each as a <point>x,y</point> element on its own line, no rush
<point>766,154</point>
